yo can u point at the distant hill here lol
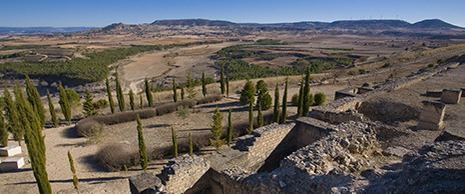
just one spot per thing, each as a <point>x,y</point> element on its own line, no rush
<point>41,30</point>
<point>193,22</point>
<point>434,23</point>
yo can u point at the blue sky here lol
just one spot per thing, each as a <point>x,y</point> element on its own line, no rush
<point>103,12</point>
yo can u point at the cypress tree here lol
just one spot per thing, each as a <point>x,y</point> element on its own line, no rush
<point>3,129</point>
<point>34,98</point>
<point>141,102</point>
<point>131,100</point>
<point>88,105</point>
<point>73,171</point>
<point>191,145</point>
<point>227,86</point>
<point>148,93</point>
<point>276,105</point>
<point>222,83</point>
<point>110,98</point>
<point>217,128</point>
<point>247,93</point>
<point>11,110</point>
<point>204,85</point>
<point>182,93</point>
<point>64,103</point>
<point>174,140</point>
<point>51,108</point>
<point>142,149</point>
<point>250,128</point>
<point>119,94</point>
<point>260,120</point>
<point>284,106</point>
<point>300,102</point>
<point>175,95</point>
<point>34,141</point>
<point>230,131</point>
<point>306,93</point>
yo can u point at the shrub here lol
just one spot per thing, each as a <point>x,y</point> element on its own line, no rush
<point>114,157</point>
<point>266,102</point>
<point>88,127</point>
<point>210,99</point>
<point>320,99</point>
<point>295,100</point>
<point>247,93</point>
<point>73,97</point>
<point>99,104</point>
<point>173,106</point>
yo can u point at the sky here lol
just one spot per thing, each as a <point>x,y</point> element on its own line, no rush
<point>99,13</point>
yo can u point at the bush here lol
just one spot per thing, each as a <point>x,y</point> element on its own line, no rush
<point>99,104</point>
<point>320,99</point>
<point>122,117</point>
<point>173,106</point>
<point>115,157</point>
<point>266,102</point>
<point>88,127</point>
<point>210,99</point>
<point>295,100</point>
<point>73,96</point>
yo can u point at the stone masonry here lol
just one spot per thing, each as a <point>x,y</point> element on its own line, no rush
<point>451,96</point>
<point>432,115</point>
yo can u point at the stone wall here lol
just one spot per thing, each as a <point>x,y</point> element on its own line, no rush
<point>432,115</point>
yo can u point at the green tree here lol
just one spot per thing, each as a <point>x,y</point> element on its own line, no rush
<point>34,98</point>
<point>119,94</point>
<point>142,148</point>
<point>182,93</point>
<point>247,93</point>
<point>131,100</point>
<point>148,93</point>
<point>230,129</point>
<point>204,85</point>
<point>51,108</point>
<point>34,140</point>
<point>141,102</point>
<point>284,106</point>
<point>227,86</point>
<point>191,93</point>
<point>250,128</point>
<point>263,96</point>
<point>64,103</point>
<point>3,129</point>
<point>11,110</point>
<point>191,145</point>
<point>222,83</point>
<point>175,95</point>
<point>276,104</point>
<point>217,129</point>
<point>110,98</point>
<point>300,103</point>
<point>306,93</point>
<point>260,120</point>
<point>320,99</point>
<point>88,106</point>
<point>174,140</point>
<point>73,171</point>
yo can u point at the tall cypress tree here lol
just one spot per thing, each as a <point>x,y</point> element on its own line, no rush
<point>51,108</point>
<point>73,171</point>
<point>34,141</point>
<point>260,120</point>
<point>88,105</point>
<point>64,103</point>
<point>204,85</point>
<point>148,93</point>
<point>182,93</point>
<point>131,100</point>
<point>11,110</point>
<point>110,97</point>
<point>142,149</point>
<point>222,83</point>
<point>34,98</point>
<point>119,94</point>
<point>250,128</point>
<point>175,95</point>
<point>227,86</point>
<point>3,129</point>
<point>306,103</point>
<point>141,102</point>
<point>217,128</point>
<point>174,140</point>
<point>230,129</point>
<point>276,104</point>
<point>300,104</point>
<point>284,106</point>
<point>191,145</point>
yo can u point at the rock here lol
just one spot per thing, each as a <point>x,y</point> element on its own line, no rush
<point>395,151</point>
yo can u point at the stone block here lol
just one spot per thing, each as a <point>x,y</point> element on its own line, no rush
<point>451,96</point>
<point>463,92</point>
<point>10,150</point>
<point>434,93</point>
<point>12,164</point>
<point>432,115</point>
<point>145,183</point>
